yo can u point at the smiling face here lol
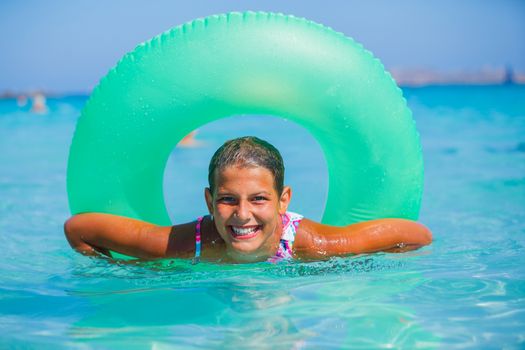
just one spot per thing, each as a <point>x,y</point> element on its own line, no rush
<point>246,208</point>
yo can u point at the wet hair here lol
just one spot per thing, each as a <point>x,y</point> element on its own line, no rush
<point>248,151</point>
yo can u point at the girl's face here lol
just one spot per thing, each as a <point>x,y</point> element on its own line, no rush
<point>246,209</point>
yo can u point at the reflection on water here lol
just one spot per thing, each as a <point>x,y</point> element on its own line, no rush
<point>333,305</point>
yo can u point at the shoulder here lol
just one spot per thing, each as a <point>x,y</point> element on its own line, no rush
<point>184,236</point>
<point>309,234</point>
<point>316,240</point>
<point>311,228</point>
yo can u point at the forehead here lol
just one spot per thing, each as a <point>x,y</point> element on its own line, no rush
<point>239,178</point>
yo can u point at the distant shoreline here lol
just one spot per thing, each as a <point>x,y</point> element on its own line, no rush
<point>10,94</point>
<point>405,78</point>
<point>485,76</point>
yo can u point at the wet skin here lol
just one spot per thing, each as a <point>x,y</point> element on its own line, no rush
<point>246,227</point>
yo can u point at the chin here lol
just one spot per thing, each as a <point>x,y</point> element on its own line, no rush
<point>242,252</point>
<point>245,249</point>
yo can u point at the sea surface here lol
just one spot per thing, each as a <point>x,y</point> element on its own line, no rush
<point>465,291</point>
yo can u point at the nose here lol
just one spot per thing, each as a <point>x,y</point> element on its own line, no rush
<point>242,211</point>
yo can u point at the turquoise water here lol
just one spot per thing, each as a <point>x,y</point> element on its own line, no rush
<point>466,290</point>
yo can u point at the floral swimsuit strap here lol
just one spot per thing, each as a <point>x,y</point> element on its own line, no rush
<point>290,222</point>
<point>197,257</point>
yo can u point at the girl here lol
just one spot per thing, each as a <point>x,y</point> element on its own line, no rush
<point>248,220</point>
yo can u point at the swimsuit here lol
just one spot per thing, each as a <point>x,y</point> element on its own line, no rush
<point>290,222</point>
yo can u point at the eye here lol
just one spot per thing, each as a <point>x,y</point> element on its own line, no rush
<point>226,199</point>
<point>260,199</point>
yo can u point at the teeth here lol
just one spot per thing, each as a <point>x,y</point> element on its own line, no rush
<point>243,231</point>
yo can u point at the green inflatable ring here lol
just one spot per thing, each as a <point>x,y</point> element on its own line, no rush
<point>238,64</point>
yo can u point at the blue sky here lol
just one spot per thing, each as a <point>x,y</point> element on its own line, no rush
<point>69,45</point>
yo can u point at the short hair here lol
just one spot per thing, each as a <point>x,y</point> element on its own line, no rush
<point>248,151</point>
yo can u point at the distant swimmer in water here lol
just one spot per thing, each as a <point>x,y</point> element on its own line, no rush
<point>39,103</point>
<point>189,140</point>
<point>21,100</point>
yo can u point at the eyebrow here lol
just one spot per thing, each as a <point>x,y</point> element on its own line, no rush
<point>262,192</point>
<point>221,193</point>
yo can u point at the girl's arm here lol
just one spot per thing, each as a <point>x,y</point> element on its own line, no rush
<point>95,233</point>
<point>315,240</point>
